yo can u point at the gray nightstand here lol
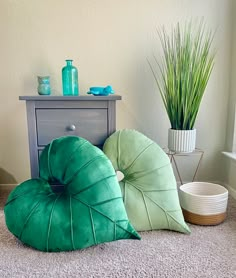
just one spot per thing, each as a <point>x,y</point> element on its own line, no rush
<point>49,117</point>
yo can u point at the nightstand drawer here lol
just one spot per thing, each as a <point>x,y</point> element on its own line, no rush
<point>90,124</point>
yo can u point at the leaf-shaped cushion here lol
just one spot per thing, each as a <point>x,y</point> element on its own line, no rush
<point>89,211</point>
<point>149,186</point>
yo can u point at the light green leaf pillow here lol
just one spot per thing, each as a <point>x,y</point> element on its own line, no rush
<point>89,211</point>
<point>149,187</point>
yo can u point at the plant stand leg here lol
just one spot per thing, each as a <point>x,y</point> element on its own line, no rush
<point>177,169</point>
<point>202,152</point>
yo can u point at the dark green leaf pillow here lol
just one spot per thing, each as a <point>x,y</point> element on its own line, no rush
<point>149,186</point>
<point>89,211</point>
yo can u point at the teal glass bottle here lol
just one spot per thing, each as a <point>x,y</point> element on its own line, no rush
<point>70,79</point>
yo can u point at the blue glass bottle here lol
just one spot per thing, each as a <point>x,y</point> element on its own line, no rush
<point>70,79</point>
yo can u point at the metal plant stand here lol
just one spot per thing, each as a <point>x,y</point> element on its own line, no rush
<point>173,155</point>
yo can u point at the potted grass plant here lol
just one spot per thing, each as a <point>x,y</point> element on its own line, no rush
<point>181,77</point>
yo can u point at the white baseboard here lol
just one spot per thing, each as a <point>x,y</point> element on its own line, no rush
<point>232,191</point>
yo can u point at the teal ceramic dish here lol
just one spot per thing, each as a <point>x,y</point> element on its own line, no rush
<point>101,91</point>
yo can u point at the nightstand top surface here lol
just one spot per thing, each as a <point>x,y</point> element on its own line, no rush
<point>74,98</point>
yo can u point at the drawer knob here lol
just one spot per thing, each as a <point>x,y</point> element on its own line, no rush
<point>71,128</point>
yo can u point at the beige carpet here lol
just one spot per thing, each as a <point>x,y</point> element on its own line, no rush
<point>207,252</point>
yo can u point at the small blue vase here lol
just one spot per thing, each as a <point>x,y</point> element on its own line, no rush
<point>70,79</point>
<point>44,85</point>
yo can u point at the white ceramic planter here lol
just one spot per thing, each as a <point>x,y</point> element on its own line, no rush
<point>182,141</point>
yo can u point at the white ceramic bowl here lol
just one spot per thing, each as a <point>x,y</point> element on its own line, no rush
<point>203,198</point>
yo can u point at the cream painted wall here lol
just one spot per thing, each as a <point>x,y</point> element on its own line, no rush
<point>109,42</point>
